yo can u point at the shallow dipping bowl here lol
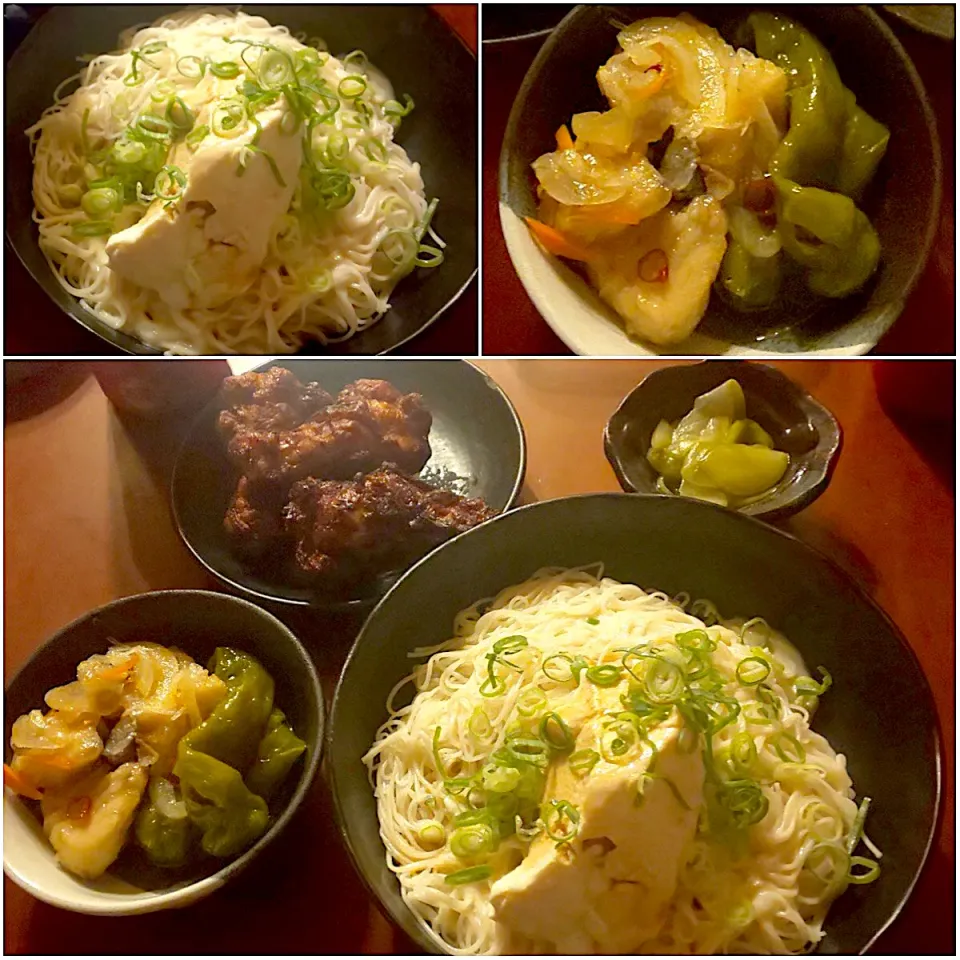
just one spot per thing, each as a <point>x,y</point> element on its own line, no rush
<point>196,622</point>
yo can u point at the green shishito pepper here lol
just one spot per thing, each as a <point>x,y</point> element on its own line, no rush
<point>166,840</point>
<point>829,235</point>
<point>277,753</point>
<point>232,731</point>
<point>832,142</point>
<point>210,757</point>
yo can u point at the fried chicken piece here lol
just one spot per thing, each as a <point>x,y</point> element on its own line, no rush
<point>370,423</point>
<point>269,401</point>
<point>347,530</point>
<point>254,519</point>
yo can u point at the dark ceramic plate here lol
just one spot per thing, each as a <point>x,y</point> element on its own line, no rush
<point>798,423</point>
<point>902,202</point>
<point>416,49</point>
<point>477,445</point>
<point>196,622</point>
<point>880,696</point>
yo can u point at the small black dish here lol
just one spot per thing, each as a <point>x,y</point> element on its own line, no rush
<point>902,202</point>
<point>196,622</point>
<point>799,424</point>
<point>477,444</point>
<point>880,696</point>
<point>413,46</point>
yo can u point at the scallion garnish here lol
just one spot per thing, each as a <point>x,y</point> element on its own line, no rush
<point>555,732</point>
<point>93,228</point>
<point>604,675</point>
<point>469,875</point>
<point>562,821</point>
<point>583,761</point>
<point>352,87</point>
<point>752,670</point>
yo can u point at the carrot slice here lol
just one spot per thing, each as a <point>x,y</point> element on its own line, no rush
<point>556,243</point>
<point>119,671</point>
<point>19,784</point>
<point>564,140</point>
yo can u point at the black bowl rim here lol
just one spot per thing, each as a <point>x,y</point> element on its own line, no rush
<point>312,764</point>
<point>778,510</point>
<point>133,345</point>
<point>320,603</point>
<point>895,306</point>
<point>415,930</point>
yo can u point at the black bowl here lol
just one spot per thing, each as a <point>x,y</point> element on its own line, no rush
<point>799,424</point>
<point>880,695</point>
<point>196,622</point>
<point>903,201</point>
<point>478,450</point>
<point>416,49</point>
<point>511,23</point>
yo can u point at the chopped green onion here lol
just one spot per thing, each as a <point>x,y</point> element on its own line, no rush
<point>395,112</point>
<point>196,136</point>
<point>154,127</point>
<point>698,640</point>
<point>493,686</point>
<point>332,189</point>
<point>250,149</point>
<point>275,68</point>
<point>352,87</point>
<point>555,732</point>
<point>473,840</point>
<point>561,810</point>
<point>228,118</point>
<point>561,675</point>
<point>807,686</point>
<point>431,834</point>
<point>357,57</point>
<point>438,761</point>
<point>583,761</point>
<point>93,228</point>
<point>744,802</point>
<point>225,70</point>
<point>457,785</point>
<point>479,724</point>
<point>469,875</point>
<point>428,256</point>
<point>593,621</point>
<point>604,675</point>
<point>531,702</point>
<point>781,741</point>
<point>868,876</point>
<point>756,622</point>
<point>170,184</point>
<point>500,779</point>
<point>743,752</point>
<point>374,150</point>
<point>191,67</point>
<point>128,152</point>
<point>180,115</point>
<point>856,831</point>
<point>96,203</point>
<point>752,670</point>
<point>510,645</point>
<point>527,750</point>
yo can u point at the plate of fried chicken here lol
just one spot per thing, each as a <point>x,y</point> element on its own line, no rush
<point>318,482</point>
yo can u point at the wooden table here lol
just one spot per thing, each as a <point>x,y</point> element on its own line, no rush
<point>512,326</point>
<point>87,521</point>
<point>35,326</point>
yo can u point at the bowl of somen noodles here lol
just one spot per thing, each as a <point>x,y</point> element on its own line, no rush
<point>260,181</point>
<point>651,726</point>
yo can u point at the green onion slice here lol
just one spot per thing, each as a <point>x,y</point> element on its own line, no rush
<point>93,228</point>
<point>479,724</point>
<point>225,70</point>
<point>101,201</point>
<point>191,67</point>
<point>583,761</point>
<point>431,834</point>
<point>469,875</point>
<point>352,87</point>
<point>562,821</point>
<point>788,748</point>
<point>752,670</point>
<point>604,675</point>
<point>473,840</point>
<point>531,702</point>
<point>870,873</point>
<point>170,184</point>
<point>555,732</point>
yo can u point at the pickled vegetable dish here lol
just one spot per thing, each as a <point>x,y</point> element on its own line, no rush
<point>715,168</point>
<point>146,745</point>
<point>716,453</point>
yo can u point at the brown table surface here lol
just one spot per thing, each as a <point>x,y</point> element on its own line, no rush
<point>35,326</point>
<point>87,521</point>
<point>512,326</point>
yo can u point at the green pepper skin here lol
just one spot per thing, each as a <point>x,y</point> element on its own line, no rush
<point>832,142</point>
<point>233,730</point>
<point>754,282</point>
<point>228,815</point>
<point>847,249</point>
<point>276,755</point>
<point>167,842</point>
